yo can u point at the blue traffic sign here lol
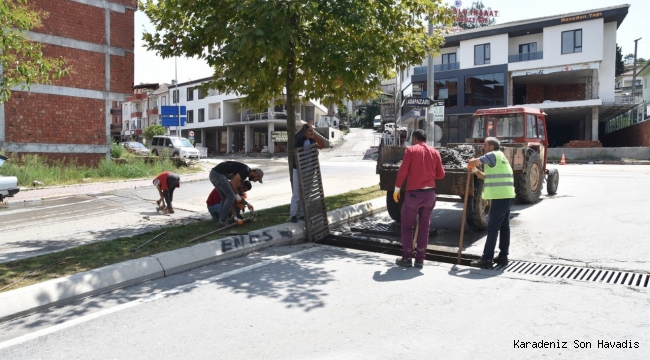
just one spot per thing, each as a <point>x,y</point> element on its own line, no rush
<point>173,121</point>
<point>172,111</point>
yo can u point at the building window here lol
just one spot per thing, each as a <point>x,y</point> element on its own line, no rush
<point>485,90</point>
<point>201,115</point>
<point>572,41</point>
<point>449,58</point>
<point>175,96</point>
<point>201,93</point>
<point>481,54</point>
<point>528,48</point>
<point>190,94</point>
<point>447,90</point>
<point>190,116</point>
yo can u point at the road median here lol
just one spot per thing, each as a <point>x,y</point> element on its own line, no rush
<point>216,248</point>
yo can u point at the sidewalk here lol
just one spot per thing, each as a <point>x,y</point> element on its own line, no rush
<point>37,194</point>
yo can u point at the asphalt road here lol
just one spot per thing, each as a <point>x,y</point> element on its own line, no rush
<point>31,229</point>
<point>302,301</point>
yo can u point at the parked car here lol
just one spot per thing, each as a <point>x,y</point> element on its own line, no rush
<point>180,147</point>
<point>377,123</point>
<point>8,184</point>
<point>389,128</point>
<point>136,148</point>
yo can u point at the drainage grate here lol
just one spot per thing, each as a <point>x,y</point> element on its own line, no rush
<point>577,273</point>
<point>372,227</point>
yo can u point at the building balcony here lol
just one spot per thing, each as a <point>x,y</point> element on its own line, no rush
<point>152,111</point>
<point>539,55</point>
<point>137,114</point>
<point>116,128</point>
<point>116,111</point>
<point>136,132</point>
<point>136,97</point>
<point>446,67</point>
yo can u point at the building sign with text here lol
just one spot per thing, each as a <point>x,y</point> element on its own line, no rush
<point>279,136</point>
<point>472,15</point>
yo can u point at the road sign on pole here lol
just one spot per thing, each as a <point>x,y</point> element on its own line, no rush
<point>438,111</point>
<point>170,115</point>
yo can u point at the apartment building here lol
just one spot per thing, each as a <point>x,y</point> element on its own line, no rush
<point>136,111</point>
<point>73,117</point>
<point>563,64</point>
<point>222,125</point>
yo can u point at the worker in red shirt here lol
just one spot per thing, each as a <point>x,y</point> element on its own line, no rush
<point>214,202</point>
<point>166,182</point>
<point>422,165</point>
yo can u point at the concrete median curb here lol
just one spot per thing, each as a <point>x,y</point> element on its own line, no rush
<point>30,299</point>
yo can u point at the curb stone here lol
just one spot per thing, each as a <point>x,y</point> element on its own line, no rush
<point>57,292</point>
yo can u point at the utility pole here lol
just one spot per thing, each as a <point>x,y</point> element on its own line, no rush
<point>178,97</point>
<point>430,125</point>
<point>634,72</point>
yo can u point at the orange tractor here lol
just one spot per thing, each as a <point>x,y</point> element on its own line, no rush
<point>522,133</point>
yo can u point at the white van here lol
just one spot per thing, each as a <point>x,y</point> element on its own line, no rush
<point>377,123</point>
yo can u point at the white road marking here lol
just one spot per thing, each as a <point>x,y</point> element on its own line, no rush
<point>170,292</point>
<point>18,211</point>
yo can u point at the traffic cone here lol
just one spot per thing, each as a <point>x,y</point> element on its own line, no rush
<point>563,161</point>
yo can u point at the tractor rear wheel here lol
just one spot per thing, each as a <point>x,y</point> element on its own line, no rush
<point>477,208</point>
<point>394,209</point>
<point>528,184</point>
<point>552,181</point>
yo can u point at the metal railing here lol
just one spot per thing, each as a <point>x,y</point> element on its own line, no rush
<point>265,116</point>
<point>446,67</point>
<point>539,55</point>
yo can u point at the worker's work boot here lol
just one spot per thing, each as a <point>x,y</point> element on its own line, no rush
<point>419,264</point>
<point>215,217</point>
<point>481,263</point>
<point>501,260</point>
<point>404,262</point>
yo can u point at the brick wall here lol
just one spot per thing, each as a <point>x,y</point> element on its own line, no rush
<point>122,73</point>
<point>537,93</point>
<point>122,30</point>
<point>79,159</point>
<point>54,119</point>
<point>631,136</point>
<point>72,20</point>
<point>87,67</point>
<point>32,118</point>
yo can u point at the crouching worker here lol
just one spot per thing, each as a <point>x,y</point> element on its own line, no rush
<point>166,182</point>
<point>214,202</point>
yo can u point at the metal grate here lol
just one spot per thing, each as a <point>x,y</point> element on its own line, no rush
<point>373,227</point>
<point>311,191</point>
<point>614,277</point>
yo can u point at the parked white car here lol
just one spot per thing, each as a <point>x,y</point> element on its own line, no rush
<point>389,128</point>
<point>8,184</point>
<point>377,123</point>
<point>176,147</point>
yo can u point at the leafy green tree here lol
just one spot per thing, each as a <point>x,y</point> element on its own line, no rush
<point>153,130</point>
<point>21,59</point>
<point>283,49</point>
<point>620,65</point>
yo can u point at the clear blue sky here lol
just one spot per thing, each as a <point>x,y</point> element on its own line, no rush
<point>150,68</point>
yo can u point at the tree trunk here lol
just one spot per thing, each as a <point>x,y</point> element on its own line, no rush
<point>291,97</point>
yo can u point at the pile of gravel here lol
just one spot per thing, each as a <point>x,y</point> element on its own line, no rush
<point>457,157</point>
